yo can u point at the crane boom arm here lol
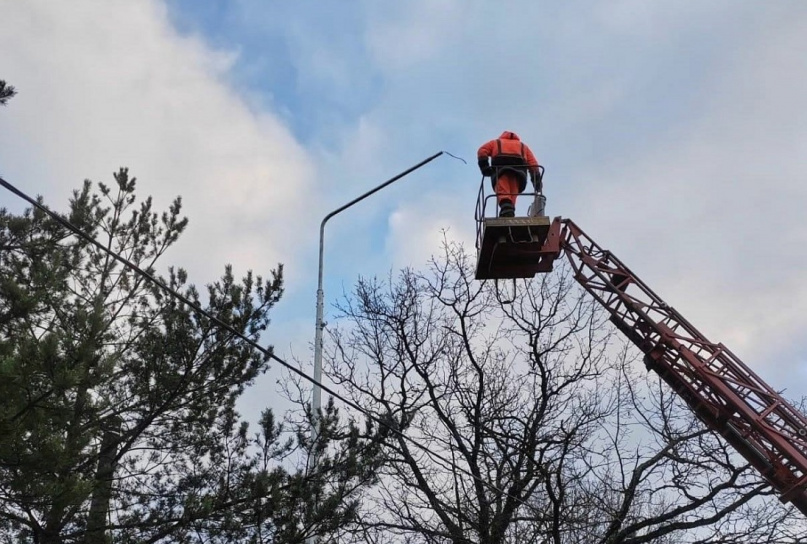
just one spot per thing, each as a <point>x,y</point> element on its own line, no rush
<point>724,393</point>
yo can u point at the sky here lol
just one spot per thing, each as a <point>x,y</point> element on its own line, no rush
<point>673,133</point>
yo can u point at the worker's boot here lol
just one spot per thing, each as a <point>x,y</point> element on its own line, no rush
<point>506,209</point>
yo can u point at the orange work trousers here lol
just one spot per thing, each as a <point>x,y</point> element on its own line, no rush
<point>507,187</point>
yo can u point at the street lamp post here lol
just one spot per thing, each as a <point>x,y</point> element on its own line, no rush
<point>316,403</point>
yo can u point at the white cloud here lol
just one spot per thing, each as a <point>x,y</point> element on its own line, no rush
<point>712,217</point>
<point>675,135</point>
<point>417,230</point>
<point>110,84</point>
<point>404,35</point>
<point>702,195</point>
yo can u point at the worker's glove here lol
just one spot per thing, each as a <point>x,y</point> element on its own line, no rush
<point>538,184</point>
<point>485,167</point>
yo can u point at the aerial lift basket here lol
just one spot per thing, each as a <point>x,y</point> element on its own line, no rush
<point>514,247</point>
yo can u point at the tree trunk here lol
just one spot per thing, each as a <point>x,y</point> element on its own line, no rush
<point>102,494</point>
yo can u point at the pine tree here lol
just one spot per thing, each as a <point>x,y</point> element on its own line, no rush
<point>6,92</point>
<point>117,401</point>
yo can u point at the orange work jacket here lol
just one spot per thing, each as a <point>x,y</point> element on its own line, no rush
<point>507,150</point>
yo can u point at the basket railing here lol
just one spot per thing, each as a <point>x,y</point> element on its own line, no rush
<point>537,207</point>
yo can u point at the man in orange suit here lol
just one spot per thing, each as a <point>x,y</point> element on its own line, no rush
<point>508,159</point>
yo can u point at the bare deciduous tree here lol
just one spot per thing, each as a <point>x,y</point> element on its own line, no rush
<point>552,430</point>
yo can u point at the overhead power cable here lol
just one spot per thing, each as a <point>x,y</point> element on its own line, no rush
<point>185,300</point>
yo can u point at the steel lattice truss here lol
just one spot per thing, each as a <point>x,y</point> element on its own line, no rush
<point>727,395</point>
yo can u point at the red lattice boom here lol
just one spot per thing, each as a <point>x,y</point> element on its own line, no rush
<point>727,395</point>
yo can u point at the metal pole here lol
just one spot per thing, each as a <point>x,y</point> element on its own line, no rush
<point>316,403</point>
